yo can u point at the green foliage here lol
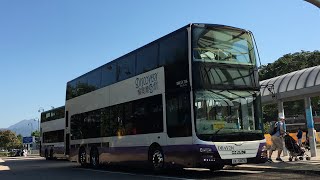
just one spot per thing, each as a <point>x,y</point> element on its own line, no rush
<point>20,137</point>
<point>289,63</point>
<point>9,140</point>
<point>35,133</point>
<point>4,154</point>
<point>269,112</point>
<point>266,127</point>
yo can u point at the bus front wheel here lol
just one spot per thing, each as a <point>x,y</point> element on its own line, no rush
<point>82,157</point>
<point>157,159</point>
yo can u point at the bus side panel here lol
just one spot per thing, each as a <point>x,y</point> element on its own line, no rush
<point>124,154</point>
<point>73,156</point>
<point>190,156</point>
<point>181,155</point>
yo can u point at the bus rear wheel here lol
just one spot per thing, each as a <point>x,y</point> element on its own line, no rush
<point>94,158</point>
<point>157,160</point>
<point>82,157</point>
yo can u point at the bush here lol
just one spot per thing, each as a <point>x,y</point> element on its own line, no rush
<point>266,127</point>
<point>4,154</point>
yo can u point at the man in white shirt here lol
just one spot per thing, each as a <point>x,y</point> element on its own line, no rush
<point>277,140</point>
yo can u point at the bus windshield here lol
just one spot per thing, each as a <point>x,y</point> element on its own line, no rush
<point>222,45</point>
<point>227,112</point>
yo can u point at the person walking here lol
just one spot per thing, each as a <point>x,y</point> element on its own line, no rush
<point>277,140</point>
<point>25,152</point>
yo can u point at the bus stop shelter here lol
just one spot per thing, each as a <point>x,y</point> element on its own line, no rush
<point>297,85</point>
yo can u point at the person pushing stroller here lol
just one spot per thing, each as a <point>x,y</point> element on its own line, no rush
<point>277,139</point>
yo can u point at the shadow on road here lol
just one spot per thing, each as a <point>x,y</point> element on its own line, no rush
<point>191,173</point>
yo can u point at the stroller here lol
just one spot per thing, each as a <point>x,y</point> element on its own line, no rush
<point>294,149</point>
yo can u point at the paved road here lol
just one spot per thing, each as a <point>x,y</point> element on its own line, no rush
<point>38,168</point>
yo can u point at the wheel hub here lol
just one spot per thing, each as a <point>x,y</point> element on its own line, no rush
<point>157,159</point>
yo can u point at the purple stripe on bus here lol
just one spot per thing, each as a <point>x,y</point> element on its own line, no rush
<point>184,155</point>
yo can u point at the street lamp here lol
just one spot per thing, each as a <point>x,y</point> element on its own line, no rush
<point>40,110</point>
<point>314,2</point>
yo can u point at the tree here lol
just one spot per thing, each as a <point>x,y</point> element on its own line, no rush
<point>20,139</point>
<point>35,133</point>
<point>289,63</point>
<point>9,140</point>
<point>269,112</point>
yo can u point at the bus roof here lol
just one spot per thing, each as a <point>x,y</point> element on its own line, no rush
<point>182,28</point>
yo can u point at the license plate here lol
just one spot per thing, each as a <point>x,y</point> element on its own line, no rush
<point>239,161</point>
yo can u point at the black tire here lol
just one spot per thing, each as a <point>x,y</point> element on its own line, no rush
<point>82,157</point>
<point>94,158</point>
<point>156,159</point>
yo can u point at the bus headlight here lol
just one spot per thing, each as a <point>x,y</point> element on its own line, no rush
<point>264,148</point>
<point>264,152</point>
<point>205,150</point>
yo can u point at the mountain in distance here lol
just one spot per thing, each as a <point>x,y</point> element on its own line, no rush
<point>25,127</point>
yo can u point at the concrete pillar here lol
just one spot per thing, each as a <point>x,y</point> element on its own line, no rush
<point>281,115</point>
<point>310,125</point>
<point>280,109</point>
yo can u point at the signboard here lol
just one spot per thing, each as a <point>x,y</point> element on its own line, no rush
<point>29,139</point>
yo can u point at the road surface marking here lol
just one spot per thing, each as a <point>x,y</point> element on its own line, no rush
<point>244,171</point>
<point>3,168</point>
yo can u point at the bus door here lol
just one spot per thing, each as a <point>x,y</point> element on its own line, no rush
<point>178,115</point>
<point>179,128</point>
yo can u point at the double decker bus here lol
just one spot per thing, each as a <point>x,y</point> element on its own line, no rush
<point>52,131</point>
<point>188,99</point>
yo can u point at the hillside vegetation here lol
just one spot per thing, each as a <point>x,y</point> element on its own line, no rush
<point>289,63</point>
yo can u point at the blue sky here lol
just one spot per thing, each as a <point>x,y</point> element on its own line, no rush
<point>44,44</point>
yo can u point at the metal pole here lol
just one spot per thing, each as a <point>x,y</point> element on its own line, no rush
<point>310,125</point>
<point>29,124</point>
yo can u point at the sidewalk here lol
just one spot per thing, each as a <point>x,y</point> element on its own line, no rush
<point>33,156</point>
<point>301,166</point>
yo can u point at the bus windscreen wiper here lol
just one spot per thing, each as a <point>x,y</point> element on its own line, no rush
<point>217,131</point>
